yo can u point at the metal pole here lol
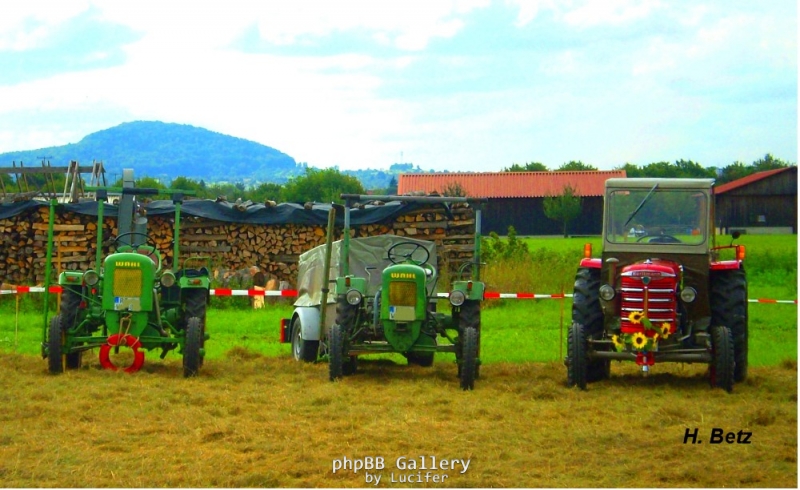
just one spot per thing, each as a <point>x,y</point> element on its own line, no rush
<point>326,269</point>
<point>47,269</point>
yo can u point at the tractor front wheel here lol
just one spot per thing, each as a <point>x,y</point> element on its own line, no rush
<point>469,358</point>
<point>576,357</point>
<point>336,352</point>
<point>722,360</point>
<point>191,347</point>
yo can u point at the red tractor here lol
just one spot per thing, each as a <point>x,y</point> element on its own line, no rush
<point>660,292</point>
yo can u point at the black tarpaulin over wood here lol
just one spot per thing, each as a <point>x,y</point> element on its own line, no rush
<point>257,214</point>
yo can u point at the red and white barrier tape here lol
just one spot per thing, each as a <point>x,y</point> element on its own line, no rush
<point>292,293</point>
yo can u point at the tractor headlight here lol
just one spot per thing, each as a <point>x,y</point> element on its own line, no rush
<point>353,297</point>
<point>168,279</point>
<point>91,277</point>
<point>607,293</point>
<point>457,298</point>
<point>688,295</point>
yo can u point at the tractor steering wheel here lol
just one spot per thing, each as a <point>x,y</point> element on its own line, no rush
<point>148,241</point>
<point>660,239</point>
<point>398,257</point>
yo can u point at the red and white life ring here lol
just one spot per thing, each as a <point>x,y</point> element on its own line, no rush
<point>117,340</point>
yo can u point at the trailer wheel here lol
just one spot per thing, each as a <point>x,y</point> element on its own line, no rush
<point>586,311</point>
<point>55,361</point>
<point>191,347</point>
<point>335,352</point>
<point>722,355</point>
<point>469,358</point>
<point>303,350</point>
<point>729,308</point>
<point>576,357</point>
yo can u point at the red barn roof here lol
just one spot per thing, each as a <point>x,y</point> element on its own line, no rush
<point>748,180</point>
<point>511,184</point>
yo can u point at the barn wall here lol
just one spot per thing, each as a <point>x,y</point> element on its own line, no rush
<point>528,218</point>
<point>773,198</point>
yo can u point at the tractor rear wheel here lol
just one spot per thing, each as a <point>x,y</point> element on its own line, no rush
<point>424,359</point>
<point>55,363</point>
<point>303,350</point>
<point>586,311</point>
<point>722,363</point>
<point>192,359</point>
<point>336,352</point>
<point>469,357</point>
<point>729,308</point>
<point>577,362</point>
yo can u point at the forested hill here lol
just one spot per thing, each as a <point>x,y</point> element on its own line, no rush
<point>158,149</point>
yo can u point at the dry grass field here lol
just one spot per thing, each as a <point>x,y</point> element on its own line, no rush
<point>255,421</point>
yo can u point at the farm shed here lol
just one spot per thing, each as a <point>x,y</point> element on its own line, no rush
<point>516,198</point>
<point>764,202</point>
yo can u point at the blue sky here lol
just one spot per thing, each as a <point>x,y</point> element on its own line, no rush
<point>472,85</point>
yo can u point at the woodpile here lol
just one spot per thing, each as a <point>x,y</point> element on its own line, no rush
<point>274,249</point>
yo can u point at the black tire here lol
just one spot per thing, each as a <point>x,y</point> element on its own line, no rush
<point>69,312</point>
<point>469,358</point>
<point>191,347</point>
<point>470,317</point>
<point>424,359</point>
<point>729,309</point>
<point>586,311</point>
<point>722,361</point>
<point>195,304</point>
<point>577,362</point>
<point>350,365</point>
<point>336,352</point>
<point>346,318</point>
<point>303,350</point>
<point>55,361</point>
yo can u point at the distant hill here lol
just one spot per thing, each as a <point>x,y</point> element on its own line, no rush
<point>158,149</point>
<point>167,150</point>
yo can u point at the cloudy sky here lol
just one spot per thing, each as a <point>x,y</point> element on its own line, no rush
<point>472,85</point>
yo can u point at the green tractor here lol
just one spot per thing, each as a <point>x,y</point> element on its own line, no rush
<point>384,300</point>
<point>129,299</point>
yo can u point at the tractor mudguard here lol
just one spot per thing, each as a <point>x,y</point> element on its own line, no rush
<point>309,322</point>
<point>473,290</point>
<point>70,278</point>
<point>197,282</point>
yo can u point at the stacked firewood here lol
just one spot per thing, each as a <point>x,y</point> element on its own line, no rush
<point>274,249</point>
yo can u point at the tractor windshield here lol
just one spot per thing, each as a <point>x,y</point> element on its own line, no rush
<point>656,216</point>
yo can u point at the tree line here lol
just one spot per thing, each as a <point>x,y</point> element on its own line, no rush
<point>684,169</point>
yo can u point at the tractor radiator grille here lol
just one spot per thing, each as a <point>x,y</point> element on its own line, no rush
<point>661,301</point>
<point>128,283</point>
<point>402,293</point>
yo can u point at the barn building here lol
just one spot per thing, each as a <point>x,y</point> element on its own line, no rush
<point>516,198</point>
<point>764,202</point>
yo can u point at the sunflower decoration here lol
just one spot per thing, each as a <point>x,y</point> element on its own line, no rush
<point>619,343</point>
<point>639,341</point>
<point>636,317</point>
<point>665,330</point>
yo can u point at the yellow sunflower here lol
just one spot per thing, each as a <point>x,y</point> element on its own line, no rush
<point>665,328</point>
<point>636,317</point>
<point>639,340</point>
<point>618,342</point>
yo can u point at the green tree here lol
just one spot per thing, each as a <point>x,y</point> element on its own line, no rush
<point>149,182</point>
<point>266,191</point>
<point>563,208</point>
<point>528,167</point>
<point>392,189</point>
<point>512,249</point>
<point>321,186</point>
<point>187,184</point>
<point>769,162</point>
<point>578,165</point>
<point>732,172</point>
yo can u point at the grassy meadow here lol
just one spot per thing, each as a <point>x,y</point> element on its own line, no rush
<point>255,418</point>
